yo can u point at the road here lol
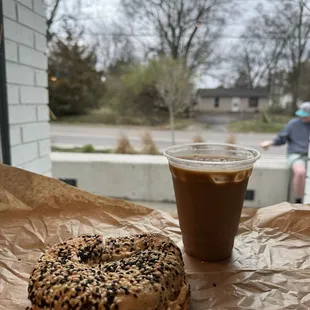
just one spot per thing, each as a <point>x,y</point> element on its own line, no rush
<point>106,137</point>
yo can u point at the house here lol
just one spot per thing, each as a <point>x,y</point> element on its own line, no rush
<point>231,100</point>
<point>24,112</point>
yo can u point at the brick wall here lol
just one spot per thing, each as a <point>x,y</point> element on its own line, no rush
<point>26,67</point>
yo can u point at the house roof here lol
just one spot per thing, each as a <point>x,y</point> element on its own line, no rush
<point>232,92</point>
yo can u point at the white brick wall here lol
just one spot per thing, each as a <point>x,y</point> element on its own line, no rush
<point>18,33</point>
<point>24,153</point>
<point>39,165</point>
<point>27,3</point>
<point>29,56</point>
<point>15,135</point>
<point>40,42</point>
<point>11,51</point>
<point>13,94</point>
<point>35,132</point>
<point>9,9</point>
<point>41,78</point>
<point>33,95</point>
<point>18,74</point>
<point>44,147</point>
<point>26,67</point>
<point>38,7</point>
<point>43,113</point>
<point>22,114</point>
<point>31,19</point>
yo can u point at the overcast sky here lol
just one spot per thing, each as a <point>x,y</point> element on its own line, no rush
<point>108,11</point>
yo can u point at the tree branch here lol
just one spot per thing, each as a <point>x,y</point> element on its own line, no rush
<point>50,20</point>
<point>175,24</point>
<point>192,35</point>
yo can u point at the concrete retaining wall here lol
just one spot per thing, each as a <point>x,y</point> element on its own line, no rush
<point>147,178</point>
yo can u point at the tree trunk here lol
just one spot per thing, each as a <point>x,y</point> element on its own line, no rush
<point>294,101</point>
<point>295,94</point>
<point>171,117</point>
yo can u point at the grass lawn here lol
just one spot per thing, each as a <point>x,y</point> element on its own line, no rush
<point>106,116</point>
<point>85,149</point>
<point>91,150</point>
<point>123,147</point>
<point>274,124</point>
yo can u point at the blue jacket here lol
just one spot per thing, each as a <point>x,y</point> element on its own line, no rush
<point>296,135</point>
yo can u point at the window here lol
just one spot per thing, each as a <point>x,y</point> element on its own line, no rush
<point>253,102</point>
<point>216,102</point>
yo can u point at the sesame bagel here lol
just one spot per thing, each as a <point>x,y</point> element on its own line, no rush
<point>139,272</point>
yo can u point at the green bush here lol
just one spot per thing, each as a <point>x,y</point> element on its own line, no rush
<point>75,85</point>
<point>88,148</point>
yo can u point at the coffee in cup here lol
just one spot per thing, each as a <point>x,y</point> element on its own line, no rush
<point>210,182</point>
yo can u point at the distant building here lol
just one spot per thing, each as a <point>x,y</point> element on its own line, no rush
<point>231,100</point>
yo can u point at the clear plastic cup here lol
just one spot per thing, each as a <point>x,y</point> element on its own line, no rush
<point>210,181</point>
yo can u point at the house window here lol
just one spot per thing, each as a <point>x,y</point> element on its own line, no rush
<point>253,102</point>
<point>216,102</point>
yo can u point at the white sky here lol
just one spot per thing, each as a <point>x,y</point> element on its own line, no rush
<point>107,10</point>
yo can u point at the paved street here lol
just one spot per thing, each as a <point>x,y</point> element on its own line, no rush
<point>106,137</point>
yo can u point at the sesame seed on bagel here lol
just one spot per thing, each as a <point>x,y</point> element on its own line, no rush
<point>143,271</point>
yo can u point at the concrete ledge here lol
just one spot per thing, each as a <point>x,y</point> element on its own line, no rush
<point>147,178</point>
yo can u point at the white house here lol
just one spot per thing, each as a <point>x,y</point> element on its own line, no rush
<point>225,100</point>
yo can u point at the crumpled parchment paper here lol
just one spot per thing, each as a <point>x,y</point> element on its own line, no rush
<point>269,269</point>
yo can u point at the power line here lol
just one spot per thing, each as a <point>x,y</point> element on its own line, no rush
<point>158,36</point>
<point>253,1</point>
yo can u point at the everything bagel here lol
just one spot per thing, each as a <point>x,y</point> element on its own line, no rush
<point>138,272</point>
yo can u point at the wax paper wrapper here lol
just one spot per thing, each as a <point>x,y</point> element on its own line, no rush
<point>269,268</point>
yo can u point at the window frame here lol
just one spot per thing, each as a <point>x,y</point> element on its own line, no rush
<point>5,148</point>
<point>250,102</point>
<point>216,102</point>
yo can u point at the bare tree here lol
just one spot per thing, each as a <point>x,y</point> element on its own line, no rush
<point>305,81</point>
<point>112,46</point>
<point>298,45</point>
<point>304,3</point>
<point>51,8</point>
<point>186,29</point>
<point>62,10</point>
<point>278,41</point>
<point>255,61</point>
<point>172,80</point>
